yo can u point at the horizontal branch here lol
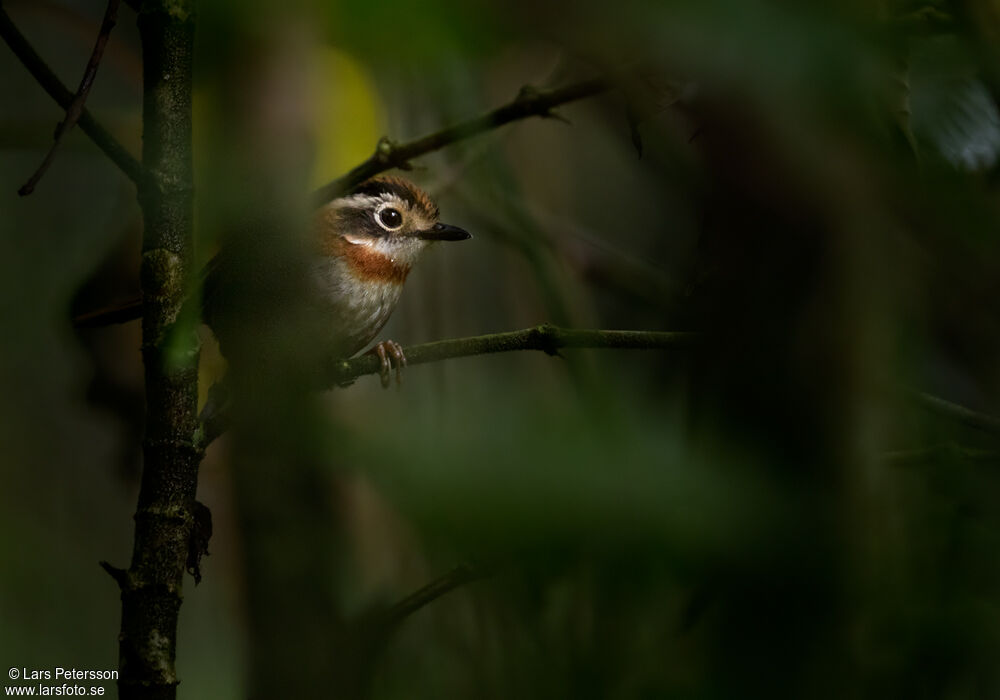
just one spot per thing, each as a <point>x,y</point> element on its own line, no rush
<point>546,338</point>
<point>44,76</point>
<point>530,102</point>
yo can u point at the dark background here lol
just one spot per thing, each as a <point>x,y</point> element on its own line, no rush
<point>776,513</point>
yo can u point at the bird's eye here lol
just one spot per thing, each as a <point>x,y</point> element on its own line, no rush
<point>389,218</point>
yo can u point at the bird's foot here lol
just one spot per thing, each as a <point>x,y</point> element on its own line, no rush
<point>390,352</point>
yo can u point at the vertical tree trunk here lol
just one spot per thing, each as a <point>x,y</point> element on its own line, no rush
<point>151,588</point>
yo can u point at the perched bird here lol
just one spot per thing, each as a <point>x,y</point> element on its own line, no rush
<point>366,244</point>
<point>370,240</point>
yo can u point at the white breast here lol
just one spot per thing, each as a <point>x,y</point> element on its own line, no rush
<point>358,308</point>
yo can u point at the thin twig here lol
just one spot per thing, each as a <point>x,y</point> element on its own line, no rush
<point>130,310</point>
<point>426,595</point>
<point>44,76</point>
<point>920,455</point>
<point>547,338</point>
<point>974,419</point>
<point>529,102</point>
<point>75,108</point>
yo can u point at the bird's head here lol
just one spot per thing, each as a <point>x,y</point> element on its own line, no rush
<point>382,227</point>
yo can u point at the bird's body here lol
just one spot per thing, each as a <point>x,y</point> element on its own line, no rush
<point>366,243</point>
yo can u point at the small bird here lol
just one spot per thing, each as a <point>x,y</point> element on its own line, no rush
<point>366,244</point>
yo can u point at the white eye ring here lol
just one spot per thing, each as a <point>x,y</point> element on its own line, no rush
<point>395,211</point>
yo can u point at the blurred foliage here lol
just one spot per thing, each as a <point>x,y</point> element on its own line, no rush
<point>770,516</point>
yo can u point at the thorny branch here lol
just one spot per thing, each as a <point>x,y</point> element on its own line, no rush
<point>530,102</point>
<point>75,108</point>
<point>44,76</point>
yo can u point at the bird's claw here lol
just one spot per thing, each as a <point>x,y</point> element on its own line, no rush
<point>387,351</point>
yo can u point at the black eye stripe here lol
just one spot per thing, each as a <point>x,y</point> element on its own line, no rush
<point>354,218</point>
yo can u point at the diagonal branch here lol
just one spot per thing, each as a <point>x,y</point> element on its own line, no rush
<point>946,451</point>
<point>44,76</point>
<point>438,588</point>
<point>530,102</point>
<point>973,419</point>
<point>75,108</point>
<point>122,313</point>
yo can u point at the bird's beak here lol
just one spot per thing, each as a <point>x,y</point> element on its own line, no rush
<point>443,232</point>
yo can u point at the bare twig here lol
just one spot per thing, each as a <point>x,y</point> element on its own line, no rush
<point>130,310</point>
<point>920,455</point>
<point>44,76</point>
<point>974,419</point>
<point>426,595</point>
<point>547,338</point>
<point>529,102</point>
<point>75,108</point>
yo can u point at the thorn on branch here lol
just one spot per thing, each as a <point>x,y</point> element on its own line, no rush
<point>75,109</point>
<point>546,339</point>
<point>633,125</point>
<point>201,533</point>
<point>527,93</point>
<point>119,575</point>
